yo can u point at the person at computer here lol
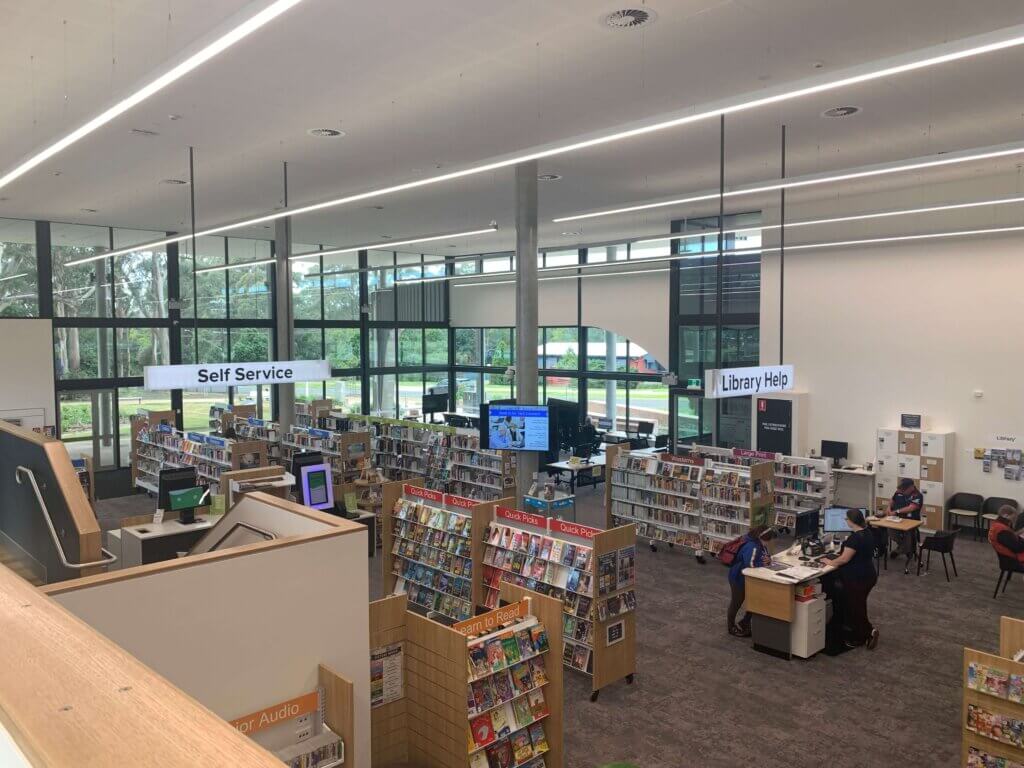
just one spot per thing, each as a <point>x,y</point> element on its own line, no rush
<point>906,503</point>
<point>1004,538</point>
<point>753,553</point>
<point>854,570</point>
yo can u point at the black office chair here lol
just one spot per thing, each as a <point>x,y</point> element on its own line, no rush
<point>636,443</point>
<point>965,505</point>
<point>991,507</point>
<point>1007,567</point>
<point>645,428</point>
<point>941,542</point>
<point>661,441</point>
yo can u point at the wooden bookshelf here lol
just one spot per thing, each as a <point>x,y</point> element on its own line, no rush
<point>269,432</point>
<point>735,499</point>
<point>993,705</point>
<point>389,730</point>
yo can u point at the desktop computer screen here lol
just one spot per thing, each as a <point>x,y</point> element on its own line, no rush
<point>835,450</point>
<point>317,489</point>
<point>807,524</point>
<point>835,520</point>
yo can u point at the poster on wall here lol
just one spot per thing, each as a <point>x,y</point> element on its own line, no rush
<point>626,567</point>
<point>775,425</point>
<point>386,674</point>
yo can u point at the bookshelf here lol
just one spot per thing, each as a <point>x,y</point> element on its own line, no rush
<point>269,432</point>
<point>735,498</point>
<point>307,414</point>
<point>800,483</point>
<point>429,551</point>
<point>369,489</point>
<point>658,494</point>
<point>156,445</point>
<point>992,714</point>
<point>223,416</point>
<point>344,451</point>
<point>573,564</point>
<point>86,477</point>
<point>478,472</point>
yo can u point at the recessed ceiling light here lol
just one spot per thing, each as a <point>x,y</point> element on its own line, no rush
<point>385,237</point>
<point>570,234</point>
<point>173,181</point>
<point>818,64</point>
<point>87,210</point>
<point>144,132</point>
<point>174,117</point>
<point>629,18</point>
<point>375,207</point>
<point>548,177</point>
<point>325,132</point>
<point>840,111</point>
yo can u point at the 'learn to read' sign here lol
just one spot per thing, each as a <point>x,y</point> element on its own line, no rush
<point>738,382</point>
<point>235,374</point>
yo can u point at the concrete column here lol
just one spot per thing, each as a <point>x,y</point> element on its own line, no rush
<point>526,307</point>
<point>283,302</point>
<point>610,402</point>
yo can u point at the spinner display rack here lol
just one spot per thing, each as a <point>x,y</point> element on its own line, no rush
<point>992,714</point>
<point>800,483</point>
<point>570,562</point>
<point>660,495</point>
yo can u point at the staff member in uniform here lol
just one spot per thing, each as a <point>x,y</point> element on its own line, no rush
<point>753,553</point>
<point>906,503</point>
<point>855,572</point>
<point>1004,540</point>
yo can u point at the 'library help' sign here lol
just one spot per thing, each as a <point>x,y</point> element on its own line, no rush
<point>235,374</point>
<point>738,382</point>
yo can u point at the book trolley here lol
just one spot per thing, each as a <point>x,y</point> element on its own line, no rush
<point>484,693</point>
<point>992,718</point>
<point>590,571</point>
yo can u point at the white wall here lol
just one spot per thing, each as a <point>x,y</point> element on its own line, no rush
<point>242,633</point>
<point>634,306</point>
<point>27,348</point>
<point>881,330</point>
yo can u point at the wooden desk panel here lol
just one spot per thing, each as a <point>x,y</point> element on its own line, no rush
<point>770,598</point>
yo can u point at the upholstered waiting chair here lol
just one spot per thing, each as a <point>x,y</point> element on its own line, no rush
<point>991,507</point>
<point>966,505</point>
<point>941,542</point>
<point>1007,567</point>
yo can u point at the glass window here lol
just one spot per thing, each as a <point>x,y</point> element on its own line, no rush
<point>382,396</point>
<point>409,266</point>
<point>436,342</point>
<point>497,263</point>
<point>561,258</point>
<point>195,407</point>
<point>308,344</point>
<point>498,347</point>
<point>347,394</point>
<point>410,347</point>
<point>19,279</point>
<point>249,287</point>
<point>696,350</point>
<point>213,345</point>
<point>741,285</point>
<point>561,388</point>
<point>250,345</point>
<point>341,291</point>
<point>140,278</point>
<point>741,345</point>
<point>497,386</point>
<point>308,391</point>
<point>561,349</point>
<point>467,346</point>
<point>650,249</point>
<point>211,287</point>
<point>606,351</point>
<point>83,353</point>
<point>80,290</point>
<point>467,266</point>
<point>467,392</point>
<point>648,401</point>
<point>606,399</point>
<point>139,347</point>
<point>129,401</point>
<point>343,347</point>
<point>85,417</point>
<point>410,395</point>
<point>697,285</point>
<point>306,303</point>
<point>382,348</point>
<point>380,284</point>
<point>432,267</point>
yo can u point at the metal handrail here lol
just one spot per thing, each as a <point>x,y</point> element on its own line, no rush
<point>109,557</point>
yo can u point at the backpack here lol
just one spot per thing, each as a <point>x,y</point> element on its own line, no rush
<point>727,554</point>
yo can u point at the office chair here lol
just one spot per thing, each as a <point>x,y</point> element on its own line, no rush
<point>941,542</point>
<point>661,441</point>
<point>965,505</point>
<point>645,428</point>
<point>1007,567</point>
<point>991,507</point>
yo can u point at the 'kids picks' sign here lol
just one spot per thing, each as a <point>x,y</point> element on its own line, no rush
<point>488,622</point>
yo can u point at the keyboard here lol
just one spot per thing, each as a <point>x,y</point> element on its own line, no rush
<point>830,556</point>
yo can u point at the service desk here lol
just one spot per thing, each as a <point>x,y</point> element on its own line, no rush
<point>155,542</point>
<point>780,624</point>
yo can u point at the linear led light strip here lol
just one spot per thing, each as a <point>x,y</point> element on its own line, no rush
<point>914,165</point>
<point>239,265</point>
<point>714,233</point>
<point>222,43</point>
<point>747,251</point>
<point>941,54</point>
<point>388,244</point>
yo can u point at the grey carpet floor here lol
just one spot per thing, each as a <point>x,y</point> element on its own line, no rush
<point>703,699</point>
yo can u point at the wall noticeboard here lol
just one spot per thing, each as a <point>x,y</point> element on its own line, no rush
<point>775,425</point>
<point>910,421</point>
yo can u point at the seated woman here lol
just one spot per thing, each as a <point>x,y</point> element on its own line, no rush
<point>855,570</point>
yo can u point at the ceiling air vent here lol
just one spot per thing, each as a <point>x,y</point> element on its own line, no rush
<point>629,18</point>
<point>144,132</point>
<point>325,132</point>
<point>173,181</point>
<point>840,112</point>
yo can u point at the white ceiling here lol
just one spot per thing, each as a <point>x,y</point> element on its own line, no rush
<point>419,85</point>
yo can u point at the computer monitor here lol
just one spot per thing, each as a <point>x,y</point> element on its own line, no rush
<point>807,524</point>
<point>435,403</point>
<point>606,424</point>
<point>316,486</point>
<point>185,501</point>
<point>835,520</point>
<point>174,479</point>
<point>514,427</point>
<point>304,459</point>
<point>832,449</point>
<point>645,428</point>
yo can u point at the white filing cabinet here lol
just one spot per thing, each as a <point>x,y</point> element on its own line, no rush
<point>807,632</point>
<point>926,458</point>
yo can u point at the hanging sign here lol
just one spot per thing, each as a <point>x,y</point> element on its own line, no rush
<point>461,502</point>
<point>286,710</point>
<point>746,453</point>
<point>423,493</point>
<point>574,529</point>
<point>488,622</point>
<point>738,382</point>
<point>518,516</point>
<point>235,374</point>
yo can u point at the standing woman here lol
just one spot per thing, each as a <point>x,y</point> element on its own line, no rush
<point>753,553</point>
<point>855,570</point>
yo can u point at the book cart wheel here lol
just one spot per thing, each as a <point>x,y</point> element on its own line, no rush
<point>629,679</point>
<point>594,695</point>
<point>700,559</point>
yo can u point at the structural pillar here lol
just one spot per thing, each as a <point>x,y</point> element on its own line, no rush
<point>283,310</point>
<point>526,309</point>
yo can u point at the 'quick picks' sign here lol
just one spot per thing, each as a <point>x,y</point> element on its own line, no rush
<point>737,382</point>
